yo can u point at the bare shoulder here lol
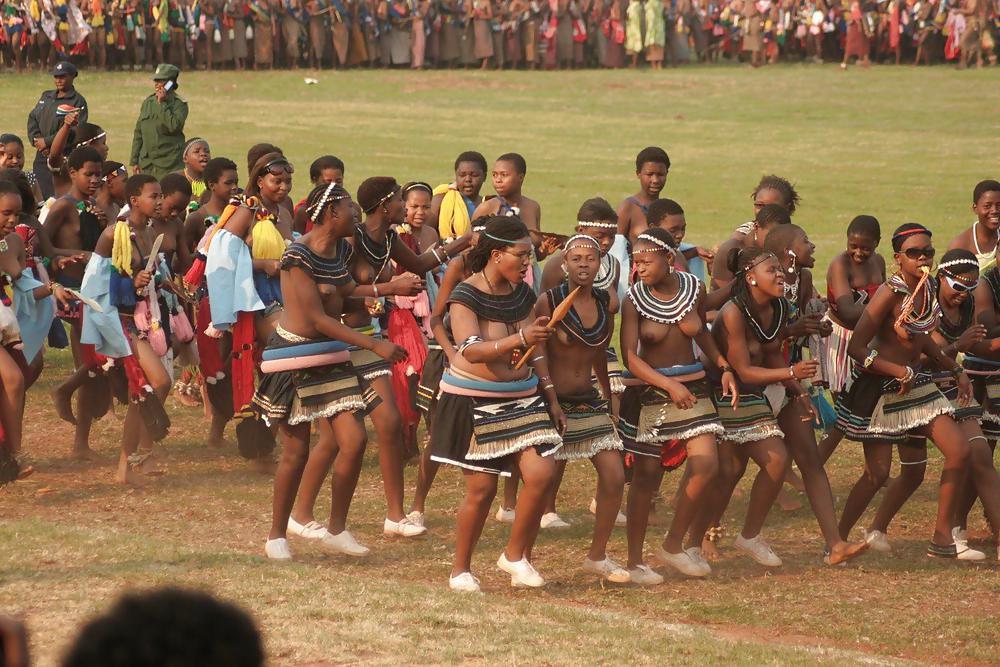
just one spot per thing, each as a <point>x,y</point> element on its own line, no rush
<point>963,240</point>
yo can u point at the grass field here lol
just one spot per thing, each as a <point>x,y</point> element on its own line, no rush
<point>899,143</point>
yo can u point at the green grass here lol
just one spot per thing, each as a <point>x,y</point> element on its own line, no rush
<point>899,143</point>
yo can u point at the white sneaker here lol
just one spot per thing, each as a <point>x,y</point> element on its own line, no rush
<point>344,543</point>
<point>698,557</point>
<point>464,583</point>
<point>759,550</point>
<point>312,530</point>
<point>620,519</point>
<point>608,570</point>
<point>682,562</point>
<point>416,518</point>
<point>552,520</point>
<point>277,549</point>
<point>963,552</point>
<point>505,515</point>
<point>644,576</point>
<point>522,574</point>
<point>402,528</point>
<point>878,541</point>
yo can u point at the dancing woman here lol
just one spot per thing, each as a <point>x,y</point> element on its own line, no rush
<point>892,397</point>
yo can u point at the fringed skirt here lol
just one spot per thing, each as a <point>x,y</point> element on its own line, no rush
<point>873,411</point>
<point>367,364</point>
<point>299,396</point>
<point>484,433</point>
<point>752,420</point>
<point>430,378</point>
<point>835,361</point>
<point>614,372</point>
<point>589,428</point>
<point>971,411</point>
<point>651,425</point>
<point>985,376</point>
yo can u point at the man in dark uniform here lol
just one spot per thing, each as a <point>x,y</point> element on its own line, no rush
<point>47,117</point>
<point>158,141</point>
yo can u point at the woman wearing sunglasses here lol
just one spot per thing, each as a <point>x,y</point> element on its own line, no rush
<point>893,397</point>
<point>957,279</point>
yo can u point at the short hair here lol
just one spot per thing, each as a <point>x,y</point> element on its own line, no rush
<point>9,188</point>
<point>660,209</point>
<point>87,132</point>
<point>9,138</point>
<point>780,238</point>
<point>905,231</point>
<point>773,214</point>
<point>471,156</point>
<point>865,225</point>
<point>958,261</point>
<point>169,626</point>
<point>81,156</point>
<point>215,167</point>
<point>500,231</point>
<point>174,183</point>
<point>653,154</point>
<point>515,159</point>
<point>373,191</point>
<point>417,186</point>
<point>982,187</point>
<point>659,234</point>
<point>322,163</point>
<point>135,184</point>
<point>596,209</point>
<point>257,151</point>
<point>20,182</point>
<point>783,187</point>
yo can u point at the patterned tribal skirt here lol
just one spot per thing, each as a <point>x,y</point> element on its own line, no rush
<point>986,389</point>
<point>837,365</point>
<point>589,428</point>
<point>300,396</point>
<point>430,378</point>
<point>752,420</point>
<point>873,411</point>
<point>651,425</point>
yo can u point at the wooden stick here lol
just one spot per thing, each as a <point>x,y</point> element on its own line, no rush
<point>558,314</point>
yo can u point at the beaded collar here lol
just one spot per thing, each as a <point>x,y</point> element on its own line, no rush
<point>595,336</point>
<point>505,308</point>
<point>780,317</point>
<point>916,321</point>
<point>672,311</point>
<point>608,274</point>
<point>375,253</point>
<point>951,331</point>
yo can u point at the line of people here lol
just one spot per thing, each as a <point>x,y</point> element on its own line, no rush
<point>412,301</point>
<point>238,34</point>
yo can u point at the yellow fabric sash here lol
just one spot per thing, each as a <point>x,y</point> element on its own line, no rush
<point>453,218</point>
<point>266,241</point>
<point>121,250</point>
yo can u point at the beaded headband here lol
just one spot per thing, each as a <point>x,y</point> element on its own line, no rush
<point>387,197</point>
<point>583,238</point>
<point>760,260</point>
<point>971,263</point>
<point>595,223</point>
<point>191,144</point>
<point>92,140</point>
<point>479,228</point>
<point>418,185</point>
<point>663,245</point>
<point>317,208</point>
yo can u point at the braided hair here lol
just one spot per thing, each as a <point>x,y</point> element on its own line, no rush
<point>321,198</point>
<point>782,187</point>
<point>501,231</point>
<point>740,261</point>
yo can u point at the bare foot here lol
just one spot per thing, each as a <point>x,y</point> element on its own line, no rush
<point>63,403</point>
<point>26,472</point>
<point>844,551</point>
<point>85,453</point>
<point>124,475</point>
<point>788,503</point>
<point>263,466</point>
<point>149,466</point>
<point>219,443</point>
<point>710,551</point>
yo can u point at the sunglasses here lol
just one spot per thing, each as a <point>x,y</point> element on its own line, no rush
<point>958,285</point>
<point>919,253</point>
<point>277,167</point>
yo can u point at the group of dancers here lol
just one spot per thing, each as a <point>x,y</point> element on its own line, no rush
<point>302,321</point>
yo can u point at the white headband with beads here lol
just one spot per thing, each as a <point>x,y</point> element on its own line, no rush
<point>600,225</point>
<point>318,208</point>
<point>581,237</point>
<point>663,245</point>
<point>971,263</point>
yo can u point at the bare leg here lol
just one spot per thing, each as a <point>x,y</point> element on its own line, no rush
<point>828,445</point>
<point>84,420</point>
<point>510,489</point>
<point>11,399</point>
<point>801,441</point>
<point>732,465</point>
<point>878,461</point>
<point>772,457</point>
<point>912,467</point>
<point>134,431</point>
<point>948,438</point>
<point>349,432</point>
<point>425,478</point>
<point>294,453</point>
<point>647,474</point>
<point>480,489</point>
<point>550,502</point>
<point>538,473</point>
<point>985,479</point>
<point>318,465</point>
<point>702,467</point>
<point>610,486</point>
<point>389,431</point>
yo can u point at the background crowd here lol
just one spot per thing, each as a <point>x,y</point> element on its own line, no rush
<point>514,34</point>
